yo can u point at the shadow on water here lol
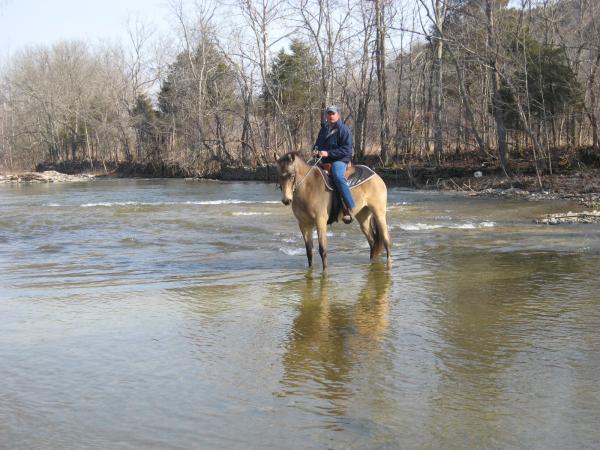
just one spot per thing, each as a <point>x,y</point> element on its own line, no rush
<point>336,328</point>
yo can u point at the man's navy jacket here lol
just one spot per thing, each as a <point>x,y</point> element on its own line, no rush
<point>336,140</point>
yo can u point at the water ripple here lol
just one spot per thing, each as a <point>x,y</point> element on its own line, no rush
<point>158,313</point>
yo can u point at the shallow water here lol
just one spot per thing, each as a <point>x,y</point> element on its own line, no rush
<point>166,314</point>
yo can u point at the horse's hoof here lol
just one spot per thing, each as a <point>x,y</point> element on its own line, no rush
<point>347,219</point>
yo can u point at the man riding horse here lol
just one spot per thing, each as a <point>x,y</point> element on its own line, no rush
<point>312,199</point>
<point>334,145</point>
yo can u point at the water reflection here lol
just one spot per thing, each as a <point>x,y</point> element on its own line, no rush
<point>493,311</point>
<point>336,330</point>
<point>488,304</point>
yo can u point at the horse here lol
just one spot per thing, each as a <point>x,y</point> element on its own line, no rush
<point>304,187</point>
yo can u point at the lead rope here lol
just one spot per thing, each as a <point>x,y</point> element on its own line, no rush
<point>304,177</point>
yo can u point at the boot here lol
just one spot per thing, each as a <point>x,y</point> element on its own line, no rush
<point>346,217</point>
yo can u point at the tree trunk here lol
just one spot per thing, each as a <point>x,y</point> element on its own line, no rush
<point>467,103</point>
<point>438,142</point>
<point>592,108</point>
<point>497,103</point>
<point>246,129</point>
<point>384,136</point>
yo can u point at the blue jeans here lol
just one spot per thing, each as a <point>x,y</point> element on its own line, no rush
<point>338,172</point>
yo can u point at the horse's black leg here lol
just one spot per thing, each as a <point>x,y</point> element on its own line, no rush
<point>323,253</point>
<point>364,220</point>
<point>309,252</point>
<point>384,233</point>
<point>308,243</point>
<point>322,233</point>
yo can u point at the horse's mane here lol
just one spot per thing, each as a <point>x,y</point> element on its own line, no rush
<point>290,157</point>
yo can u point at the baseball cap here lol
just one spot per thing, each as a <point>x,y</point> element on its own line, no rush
<point>332,109</point>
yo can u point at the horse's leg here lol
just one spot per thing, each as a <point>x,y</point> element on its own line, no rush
<point>364,220</point>
<point>382,229</point>
<point>322,233</point>
<point>308,242</point>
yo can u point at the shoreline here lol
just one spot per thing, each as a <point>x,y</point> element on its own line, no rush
<point>48,176</point>
<point>582,186</point>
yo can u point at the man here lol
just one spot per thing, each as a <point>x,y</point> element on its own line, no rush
<point>334,145</point>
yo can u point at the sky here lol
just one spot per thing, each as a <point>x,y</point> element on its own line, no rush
<point>44,22</point>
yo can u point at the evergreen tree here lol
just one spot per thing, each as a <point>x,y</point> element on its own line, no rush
<point>544,82</point>
<point>293,78</point>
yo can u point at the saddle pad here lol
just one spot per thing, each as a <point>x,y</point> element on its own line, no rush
<point>360,175</point>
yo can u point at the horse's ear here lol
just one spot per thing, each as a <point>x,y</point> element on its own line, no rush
<point>275,156</point>
<point>292,157</point>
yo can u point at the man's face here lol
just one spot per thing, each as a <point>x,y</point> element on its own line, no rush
<point>333,117</point>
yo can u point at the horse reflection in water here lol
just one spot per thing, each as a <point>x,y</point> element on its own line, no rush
<point>333,339</point>
<point>311,201</point>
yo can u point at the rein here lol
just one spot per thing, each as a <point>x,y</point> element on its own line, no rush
<point>296,185</point>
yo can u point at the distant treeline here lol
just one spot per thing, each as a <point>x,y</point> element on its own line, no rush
<point>423,80</point>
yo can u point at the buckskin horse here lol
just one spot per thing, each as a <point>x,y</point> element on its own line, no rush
<point>306,189</point>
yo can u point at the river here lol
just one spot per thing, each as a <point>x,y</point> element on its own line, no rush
<point>173,314</point>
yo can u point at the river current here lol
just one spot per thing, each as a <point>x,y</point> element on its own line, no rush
<point>177,315</point>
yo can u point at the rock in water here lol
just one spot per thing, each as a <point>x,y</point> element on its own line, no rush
<point>571,217</point>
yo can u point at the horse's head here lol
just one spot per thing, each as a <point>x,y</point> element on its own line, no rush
<point>287,176</point>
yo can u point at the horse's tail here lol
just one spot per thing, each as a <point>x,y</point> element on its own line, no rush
<point>377,237</point>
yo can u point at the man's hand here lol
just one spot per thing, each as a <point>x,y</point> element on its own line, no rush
<point>320,153</point>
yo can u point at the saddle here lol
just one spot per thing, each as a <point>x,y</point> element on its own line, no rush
<point>327,168</point>
<point>356,175</point>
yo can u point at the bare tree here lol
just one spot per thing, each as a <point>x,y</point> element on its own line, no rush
<point>436,12</point>
<point>355,76</point>
<point>261,16</point>
<point>438,19</point>
<point>380,59</point>
<point>324,22</point>
<point>493,62</point>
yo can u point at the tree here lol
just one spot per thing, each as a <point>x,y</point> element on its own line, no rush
<point>493,62</point>
<point>356,80</point>
<point>324,22</point>
<point>195,95</point>
<point>261,16</point>
<point>439,10</point>
<point>145,124</point>
<point>380,59</point>
<point>63,99</point>
<point>293,78</point>
<point>488,74</point>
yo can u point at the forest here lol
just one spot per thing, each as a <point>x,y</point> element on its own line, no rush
<point>420,81</point>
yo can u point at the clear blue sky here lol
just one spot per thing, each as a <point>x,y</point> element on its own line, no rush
<point>33,22</point>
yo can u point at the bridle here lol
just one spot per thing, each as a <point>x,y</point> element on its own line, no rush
<point>297,185</point>
<point>304,177</point>
<point>289,176</point>
<point>292,176</point>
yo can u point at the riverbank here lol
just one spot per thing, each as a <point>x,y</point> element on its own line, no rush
<point>580,186</point>
<point>574,176</point>
<point>48,176</point>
